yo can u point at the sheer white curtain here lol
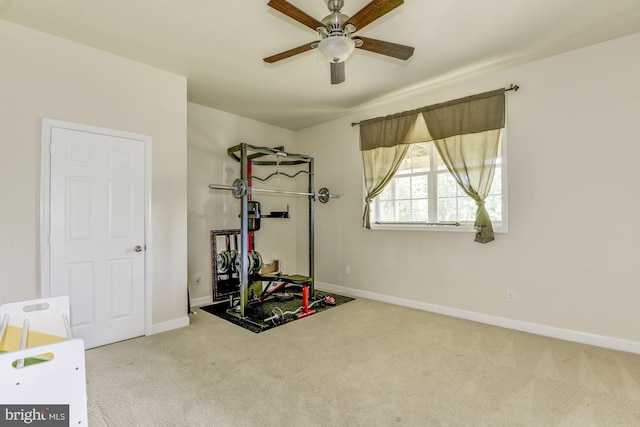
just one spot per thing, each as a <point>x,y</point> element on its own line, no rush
<point>383,147</point>
<point>471,159</point>
<point>466,133</point>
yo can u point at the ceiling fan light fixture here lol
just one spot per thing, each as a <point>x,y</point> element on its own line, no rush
<point>336,31</point>
<point>337,48</point>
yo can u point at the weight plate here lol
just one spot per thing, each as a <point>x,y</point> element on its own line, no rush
<point>239,188</point>
<point>277,316</point>
<point>324,195</point>
<point>257,261</point>
<point>224,262</point>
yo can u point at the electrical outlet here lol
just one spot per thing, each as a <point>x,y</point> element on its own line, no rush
<point>511,295</point>
<point>347,270</point>
<point>284,265</point>
<point>198,279</point>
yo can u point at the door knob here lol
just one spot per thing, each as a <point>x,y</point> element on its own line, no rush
<point>138,248</point>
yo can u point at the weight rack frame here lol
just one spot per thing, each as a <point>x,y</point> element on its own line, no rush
<point>247,154</point>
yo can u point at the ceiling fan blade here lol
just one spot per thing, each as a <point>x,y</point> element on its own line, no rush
<point>290,52</point>
<point>373,11</point>
<point>337,73</point>
<point>293,12</point>
<point>394,50</point>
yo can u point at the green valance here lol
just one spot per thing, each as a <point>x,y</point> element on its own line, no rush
<point>471,114</point>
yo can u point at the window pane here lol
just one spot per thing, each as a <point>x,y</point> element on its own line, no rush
<point>421,158</point>
<point>404,210</point>
<point>496,185</point>
<point>403,188</point>
<point>421,148</point>
<point>420,187</point>
<point>420,210</point>
<point>447,209</point>
<point>406,198</point>
<point>405,165</point>
<point>493,205</point>
<point>387,193</point>
<point>441,165</point>
<point>447,185</point>
<point>466,209</point>
<point>387,211</point>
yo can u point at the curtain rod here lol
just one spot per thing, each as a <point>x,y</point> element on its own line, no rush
<point>511,87</point>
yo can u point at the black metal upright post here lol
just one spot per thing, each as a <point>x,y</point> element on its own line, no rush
<point>244,233</point>
<point>312,200</point>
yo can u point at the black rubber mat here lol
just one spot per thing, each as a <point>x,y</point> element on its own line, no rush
<point>256,314</point>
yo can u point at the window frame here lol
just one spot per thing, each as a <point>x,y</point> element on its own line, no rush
<point>467,227</point>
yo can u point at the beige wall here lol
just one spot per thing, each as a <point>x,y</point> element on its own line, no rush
<point>572,250</point>
<point>211,133</point>
<point>45,76</point>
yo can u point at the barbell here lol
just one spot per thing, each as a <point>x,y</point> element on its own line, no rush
<point>278,316</point>
<point>239,190</point>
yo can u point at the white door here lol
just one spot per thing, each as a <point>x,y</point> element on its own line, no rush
<point>97,232</point>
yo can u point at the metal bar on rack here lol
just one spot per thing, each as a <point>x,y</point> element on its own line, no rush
<point>239,189</point>
<point>278,173</point>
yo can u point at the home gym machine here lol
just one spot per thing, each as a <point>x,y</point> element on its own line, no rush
<point>243,259</point>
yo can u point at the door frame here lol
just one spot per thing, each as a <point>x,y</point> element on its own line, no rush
<point>45,206</point>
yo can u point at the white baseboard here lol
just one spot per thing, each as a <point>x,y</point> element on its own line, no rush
<point>169,325</point>
<point>533,328</point>
<point>198,302</point>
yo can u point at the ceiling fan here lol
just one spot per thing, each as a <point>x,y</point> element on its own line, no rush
<point>336,30</point>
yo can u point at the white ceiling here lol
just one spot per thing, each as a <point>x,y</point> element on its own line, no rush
<point>219,45</point>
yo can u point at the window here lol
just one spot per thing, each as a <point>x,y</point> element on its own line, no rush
<point>424,194</point>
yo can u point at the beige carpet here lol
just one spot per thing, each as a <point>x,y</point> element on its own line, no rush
<point>361,364</point>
